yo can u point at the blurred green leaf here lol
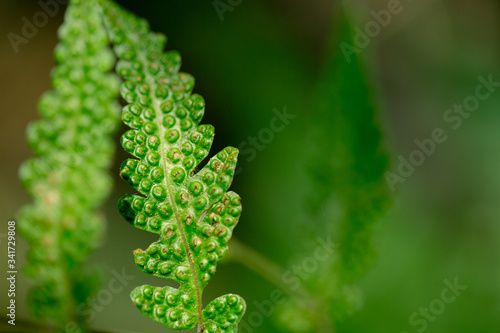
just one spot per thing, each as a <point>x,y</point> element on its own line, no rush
<point>347,162</point>
<point>68,178</point>
<point>350,159</point>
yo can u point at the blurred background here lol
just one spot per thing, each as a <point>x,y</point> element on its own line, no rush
<point>263,55</point>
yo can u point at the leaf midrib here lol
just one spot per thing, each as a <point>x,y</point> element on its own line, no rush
<point>165,182</point>
<point>163,147</point>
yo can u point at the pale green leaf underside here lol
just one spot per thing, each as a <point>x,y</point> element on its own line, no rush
<point>191,211</point>
<point>68,179</point>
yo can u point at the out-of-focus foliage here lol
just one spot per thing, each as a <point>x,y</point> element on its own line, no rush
<point>267,54</point>
<point>68,179</point>
<point>348,192</point>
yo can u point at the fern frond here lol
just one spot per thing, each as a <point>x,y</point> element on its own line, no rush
<point>191,211</point>
<point>68,178</point>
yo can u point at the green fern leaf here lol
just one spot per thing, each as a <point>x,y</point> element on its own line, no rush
<point>191,211</point>
<point>69,179</point>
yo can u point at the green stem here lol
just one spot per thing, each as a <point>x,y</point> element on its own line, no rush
<point>271,271</point>
<point>261,265</point>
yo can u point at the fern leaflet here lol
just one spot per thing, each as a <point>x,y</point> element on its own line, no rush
<point>68,179</point>
<point>190,211</point>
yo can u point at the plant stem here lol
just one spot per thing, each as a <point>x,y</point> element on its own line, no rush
<point>274,273</point>
<point>261,265</point>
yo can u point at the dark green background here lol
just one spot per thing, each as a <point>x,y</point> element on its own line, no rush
<point>267,54</point>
